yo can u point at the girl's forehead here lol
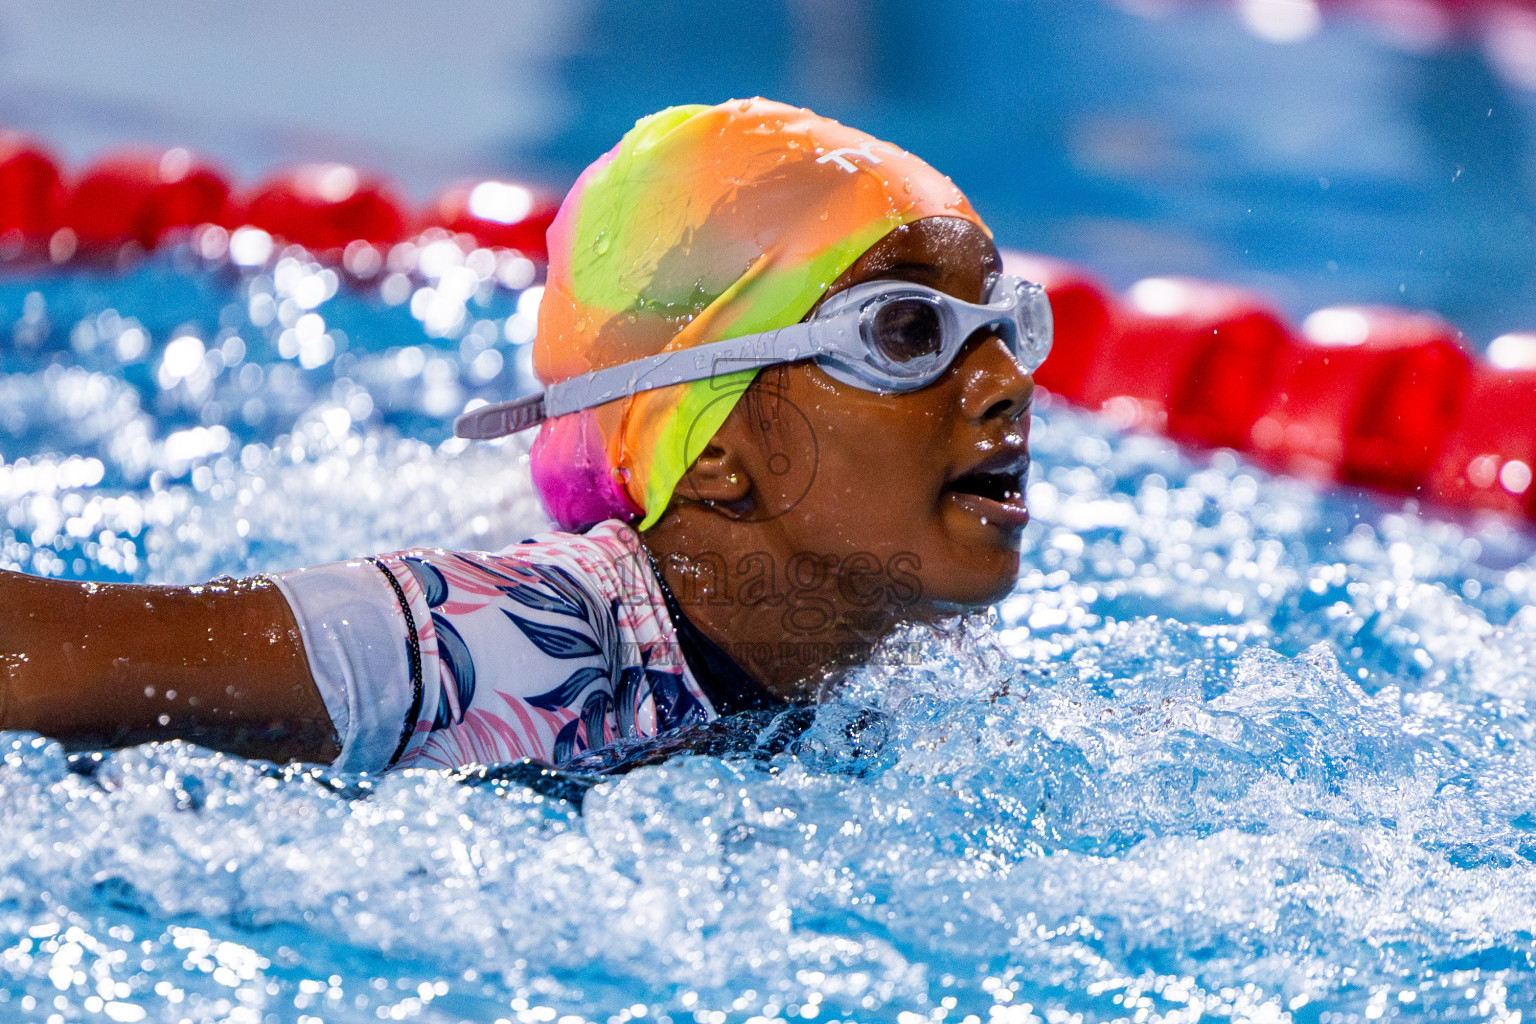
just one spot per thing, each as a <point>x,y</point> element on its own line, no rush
<point>952,254</point>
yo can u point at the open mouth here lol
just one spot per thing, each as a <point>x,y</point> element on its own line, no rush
<point>1002,487</point>
<point>994,490</point>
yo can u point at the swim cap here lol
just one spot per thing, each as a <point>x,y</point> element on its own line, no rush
<point>702,224</point>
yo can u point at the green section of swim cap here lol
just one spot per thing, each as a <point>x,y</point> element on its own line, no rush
<point>780,297</point>
<point>618,223</point>
<point>783,295</point>
<point>700,413</point>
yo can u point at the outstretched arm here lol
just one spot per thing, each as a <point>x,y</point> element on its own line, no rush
<point>105,665</point>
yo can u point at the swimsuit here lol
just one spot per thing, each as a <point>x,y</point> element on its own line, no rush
<point>559,645</point>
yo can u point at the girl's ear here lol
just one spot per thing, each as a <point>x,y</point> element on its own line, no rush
<point>717,477</point>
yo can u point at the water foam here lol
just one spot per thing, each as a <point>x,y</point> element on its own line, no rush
<point>1234,747</point>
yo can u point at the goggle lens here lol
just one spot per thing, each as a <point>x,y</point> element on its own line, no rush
<point>906,329</point>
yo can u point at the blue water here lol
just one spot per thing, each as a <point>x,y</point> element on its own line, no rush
<point>1332,169</point>
<point>1335,168</point>
<point>1234,747</point>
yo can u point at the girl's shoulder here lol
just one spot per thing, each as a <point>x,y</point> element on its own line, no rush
<point>611,552</point>
<point>608,562</point>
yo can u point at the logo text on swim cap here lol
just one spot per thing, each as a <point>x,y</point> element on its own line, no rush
<point>841,155</point>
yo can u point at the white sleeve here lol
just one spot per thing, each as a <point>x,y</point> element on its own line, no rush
<point>363,654</point>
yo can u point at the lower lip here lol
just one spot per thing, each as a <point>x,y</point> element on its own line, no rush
<point>1004,515</point>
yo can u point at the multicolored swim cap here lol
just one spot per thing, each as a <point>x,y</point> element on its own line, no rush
<point>702,224</point>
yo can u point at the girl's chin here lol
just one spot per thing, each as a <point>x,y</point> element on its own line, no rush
<point>980,580</point>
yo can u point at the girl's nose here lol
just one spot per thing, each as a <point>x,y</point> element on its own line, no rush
<point>993,383</point>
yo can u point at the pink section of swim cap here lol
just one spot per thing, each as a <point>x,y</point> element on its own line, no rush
<point>572,473</point>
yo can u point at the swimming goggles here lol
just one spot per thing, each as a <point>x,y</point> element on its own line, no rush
<point>882,336</point>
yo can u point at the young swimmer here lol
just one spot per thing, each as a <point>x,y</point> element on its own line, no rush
<point>787,395</point>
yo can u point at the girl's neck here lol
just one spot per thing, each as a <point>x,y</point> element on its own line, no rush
<point>790,619</point>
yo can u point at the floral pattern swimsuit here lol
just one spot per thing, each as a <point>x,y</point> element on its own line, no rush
<point>553,647</point>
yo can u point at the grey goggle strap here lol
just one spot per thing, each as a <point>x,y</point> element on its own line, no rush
<point>748,352</point>
<point>832,332</point>
<point>501,419</point>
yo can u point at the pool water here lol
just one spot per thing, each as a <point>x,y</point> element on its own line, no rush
<point>1233,748</point>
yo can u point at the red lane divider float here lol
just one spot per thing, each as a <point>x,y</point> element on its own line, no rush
<point>30,189</point>
<point>500,213</point>
<point>1366,394</point>
<point>135,196</point>
<point>1383,397</point>
<point>324,206</point>
<point>1213,383</point>
<point>1488,459</point>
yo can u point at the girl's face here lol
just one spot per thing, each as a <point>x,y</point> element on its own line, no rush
<point>916,498</point>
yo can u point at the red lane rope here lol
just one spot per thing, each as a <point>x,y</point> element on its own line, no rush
<point>135,196</point>
<point>1384,397</point>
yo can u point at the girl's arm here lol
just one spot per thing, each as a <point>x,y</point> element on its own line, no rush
<point>105,665</point>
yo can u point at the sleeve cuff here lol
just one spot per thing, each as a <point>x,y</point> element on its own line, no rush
<point>356,637</point>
